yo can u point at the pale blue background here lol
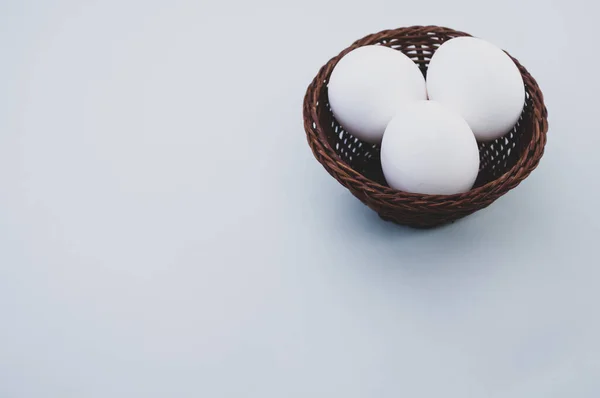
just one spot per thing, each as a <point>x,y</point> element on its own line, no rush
<point>165,231</point>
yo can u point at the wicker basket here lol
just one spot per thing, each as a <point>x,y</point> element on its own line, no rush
<point>505,162</point>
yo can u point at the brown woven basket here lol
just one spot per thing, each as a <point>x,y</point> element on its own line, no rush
<point>505,162</point>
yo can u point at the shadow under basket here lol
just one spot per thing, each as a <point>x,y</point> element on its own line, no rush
<point>356,165</point>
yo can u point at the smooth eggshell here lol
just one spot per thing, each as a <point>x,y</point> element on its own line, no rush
<point>369,85</point>
<point>429,149</point>
<point>480,82</point>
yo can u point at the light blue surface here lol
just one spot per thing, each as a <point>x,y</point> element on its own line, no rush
<point>165,231</point>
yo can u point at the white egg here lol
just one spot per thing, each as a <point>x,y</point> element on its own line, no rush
<point>429,149</point>
<point>369,85</point>
<point>480,82</point>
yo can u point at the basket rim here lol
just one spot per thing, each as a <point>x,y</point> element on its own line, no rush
<point>340,170</point>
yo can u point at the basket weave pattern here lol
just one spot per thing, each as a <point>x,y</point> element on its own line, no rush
<point>504,163</point>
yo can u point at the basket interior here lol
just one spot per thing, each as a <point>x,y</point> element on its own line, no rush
<point>496,157</point>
